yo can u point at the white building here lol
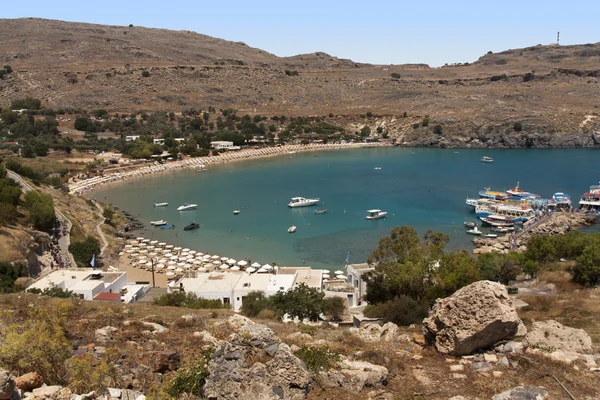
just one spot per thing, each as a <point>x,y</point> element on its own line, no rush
<point>355,278</point>
<point>87,284</point>
<point>248,283</point>
<point>224,145</point>
<point>132,138</point>
<point>158,141</point>
<point>179,140</point>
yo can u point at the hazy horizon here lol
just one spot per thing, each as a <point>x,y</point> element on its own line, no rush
<point>378,32</point>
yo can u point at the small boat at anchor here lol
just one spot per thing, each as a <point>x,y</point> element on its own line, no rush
<point>236,212</point>
<point>475,231</point>
<point>292,229</point>
<point>187,206</point>
<point>377,168</point>
<point>470,224</point>
<point>376,214</point>
<point>167,227</point>
<point>502,229</point>
<point>158,223</point>
<point>320,211</point>
<point>491,235</point>
<point>486,159</point>
<point>302,202</point>
<point>191,226</point>
<point>161,204</point>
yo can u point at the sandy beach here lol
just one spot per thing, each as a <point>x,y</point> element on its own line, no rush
<point>82,186</point>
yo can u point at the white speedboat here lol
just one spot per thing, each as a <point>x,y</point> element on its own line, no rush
<point>302,202</point>
<point>377,168</point>
<point>292,229</point>
<point>376,214</point>
<point>187,206</point>
<point>236,212</point>
<point>487,159</point>
<point>491,235</point>
<point>161,204</point>
<point>474,231</point>
<point>158,223</point>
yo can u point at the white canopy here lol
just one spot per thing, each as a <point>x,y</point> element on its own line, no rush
<point>250,270</point>
<point>235,268</point>
<point>153,241</point>
<point>186,249</point>
<point>171,267</point>
<point>255,264</point>
<point>268,267</point>
<point>162,244</point>
<point>224,266</point>
<point>242,263</point>
<point>261,271</point>
<point>338,272</point>
<point>215,257</point>
<point>231,261</point>
<point>224,259</point>
<point>170,273</point>
<point>216,263</point>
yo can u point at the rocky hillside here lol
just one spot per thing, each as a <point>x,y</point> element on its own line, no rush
<point>553,88</point>
<point>474,345</point>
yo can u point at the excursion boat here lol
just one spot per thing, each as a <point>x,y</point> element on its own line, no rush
<point>562,201</point>
<point>475,231</point>
<point>161,204</point>
<point>376,214</point>
<point>519,193</point>
<point>187,206</point>
<point>302,202</point>
<point>320,211</point>
<point>471,202</point>
<point>514,213</point>
<point>158,223</point>
<point>487,193</point>
<point>497,221</point>
<point>487,159</point>
<point>292,229</point>
<point>191,226</point>
<point>590,201</point>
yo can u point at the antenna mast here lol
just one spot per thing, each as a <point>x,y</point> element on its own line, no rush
<point>558,38</point>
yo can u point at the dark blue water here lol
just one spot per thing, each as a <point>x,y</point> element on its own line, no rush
<point>426,190</point>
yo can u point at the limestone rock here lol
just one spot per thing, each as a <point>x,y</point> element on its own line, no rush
<point>206,337</point>
<point>256,365</point>
<point>29,381</point>
<point>551,335</point>
<point>154,327</point>
<point>354,376</point>
<point>104,335</point>
<point>389,332</point>
<point>47,391</point>
<point>523,393</point>
<point>475,317</point>
<point>7,385</point>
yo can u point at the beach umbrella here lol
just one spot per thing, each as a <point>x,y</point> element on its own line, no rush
<point>224,259</point>
<point>168,255</point>
<point>189,258</point>
<point>139,238</point>
<point>197,262</point>
<point>160,266</point>
<point>171,263</point>
<point>215,257</point>
<point>150,247</point>
<point>224,266</point>
<point>173,258</point>
<point>180,264</point>
<point>162,260</point>
<point>142,245</point>
<point>162,244</point>
<point>130,251</point>
<point>128,246</point>
<point>186,249</point>
<point>326,275</point>
<point>216,262</point>
<point>188,266</point>
<point>236,268</point>
<point>169,246</point>
<point>146,240</point>
<point>242,263</point>
<point>199,254</point>
<point>171,267</point>
<point>178,269</point>
<point>250,270</point>
<point>231,261</point>
<point>121,253</point>
<point>142,262</point>
<point>177,248</point>
<point>255,264</point>
<point>184,253</point>
<point>261,271</point>
<point>201,269</point>
<point>268,267</point>
<point>170,273</point>
<point>154,242</point>
<point>153,254</point>
<point>340,277</point>
<point>193,251</point>
<point>338,272</point>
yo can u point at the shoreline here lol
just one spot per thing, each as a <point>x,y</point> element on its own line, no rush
<point>83,186</point>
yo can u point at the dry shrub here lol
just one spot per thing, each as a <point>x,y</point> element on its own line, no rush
<point>267,314</point>
<point>345,343</point>
<point>539,303</point>
<point>384,358</point>
<point>87,374</point>
<point>561,279</point>
<point>185,323</point>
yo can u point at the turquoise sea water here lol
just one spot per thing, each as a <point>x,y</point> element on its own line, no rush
<point>426,189</point>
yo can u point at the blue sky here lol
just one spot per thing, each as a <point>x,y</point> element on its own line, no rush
<point>382,32</point>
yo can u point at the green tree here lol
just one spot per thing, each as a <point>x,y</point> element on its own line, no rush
<point>81,124</point>
<point>27,152</point>
<point>401,310</point>
<point>254,302</point>
<point>302,302</point>
<point>498,267</point>
<point>41,210</point>
<point>334,308</point>
<point>587,268</point>
<point>438,130</point>
<point>145,74</point>
<point>365,131</point>
<point>396,75</point>
<point>40,149</point>
<point>541,249</point>
<point>425,122</point>
<point>85,250</point>
<point>28,103</point>
<point>8,276</point>
<point>8,214</point>
<point>518,127</point>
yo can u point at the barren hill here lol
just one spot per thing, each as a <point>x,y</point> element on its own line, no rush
<point>98,66</point>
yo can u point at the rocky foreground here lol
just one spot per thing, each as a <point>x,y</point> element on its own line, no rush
<point>472,338</point>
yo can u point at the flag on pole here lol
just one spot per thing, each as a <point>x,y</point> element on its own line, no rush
<point>93,262</point>
<point>348,258</point>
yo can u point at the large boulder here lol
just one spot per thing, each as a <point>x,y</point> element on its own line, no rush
<point>523,393</point>
<point>551,336</point>
<point>354,376</point>
<point>29,381</point>
<point>105,334</point>
<point>389,332</point>
<point>256,365</point>
<point>7,385</point>
<point>475,317</point>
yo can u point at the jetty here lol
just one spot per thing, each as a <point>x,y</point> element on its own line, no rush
<point>553,224</point>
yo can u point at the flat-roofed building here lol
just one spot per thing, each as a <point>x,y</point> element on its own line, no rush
<point>85,283</point>
<point>279,282</point>
<point>246,284</point>
<point>356,278</point>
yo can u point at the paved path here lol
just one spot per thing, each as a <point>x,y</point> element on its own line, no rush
<point>65,240</point>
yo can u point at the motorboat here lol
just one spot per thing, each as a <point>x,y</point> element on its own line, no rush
<point>158,223</point>
<point>161,204</point>
<point>191,226</point>
<point>236,212</point>
<point>498,221</point>
<point>502,229</point>
<point>320,211</point>
<point>470,224</point>
<point>490,235</point>
<point>377,168</point>
<point>292,229</point>
<point>475,231</point>
<point>167,227</point>
<point>487,159</point>
<point>302,202</point>
<point>520,193</point>
<point>376,214</point>
<point>187,206</point>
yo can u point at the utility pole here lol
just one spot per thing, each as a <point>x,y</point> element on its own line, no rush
<point>152,260</point>
<point>558,38</point>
